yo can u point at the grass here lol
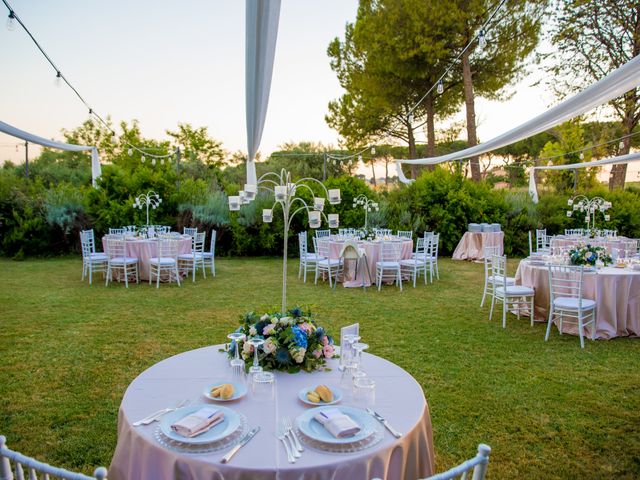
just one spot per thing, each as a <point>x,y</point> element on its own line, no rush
<point>548,410</point>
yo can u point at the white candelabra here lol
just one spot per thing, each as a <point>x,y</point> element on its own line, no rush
<point>367,204</point>
<point>285,195</point>
<point>149,199</point>
<point>589,206</point>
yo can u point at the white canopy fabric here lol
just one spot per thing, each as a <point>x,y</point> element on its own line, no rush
<point>29,137</point>
<point>262,17</point>
<point>533,191</point>
<point>612,86</point>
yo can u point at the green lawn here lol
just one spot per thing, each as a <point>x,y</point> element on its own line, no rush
<point>548,410</point>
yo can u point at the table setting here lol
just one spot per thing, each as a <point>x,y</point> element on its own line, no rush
<point>613,283</point>
<point>196,415</point>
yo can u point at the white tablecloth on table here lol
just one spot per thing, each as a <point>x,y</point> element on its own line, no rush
<point>616,292</point>
<point>145,249</point>
<point>398,397</point>
<point>471,245</point>
<point>619,243</point>
<point>372,251</point>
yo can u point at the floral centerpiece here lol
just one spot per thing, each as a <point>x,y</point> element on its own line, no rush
<point>366,234</point>
<point>293,341</point>
<point>586,254</point>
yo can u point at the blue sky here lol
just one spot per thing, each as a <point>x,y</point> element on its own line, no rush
<point>163,62</point>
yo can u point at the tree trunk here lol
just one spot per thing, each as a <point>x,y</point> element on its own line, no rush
<point>619,172</point>
<point>431,130</point>
<point>412,152</point>
<point>386,172</point>
<point>472,138</point>
<point>373,172</point>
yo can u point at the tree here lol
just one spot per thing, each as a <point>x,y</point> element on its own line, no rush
<point>391,56</point>
<point>511,37</point>
<point>593,38</point>
<point>197,145</point>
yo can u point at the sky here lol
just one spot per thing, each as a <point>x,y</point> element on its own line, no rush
<point>166,62</point>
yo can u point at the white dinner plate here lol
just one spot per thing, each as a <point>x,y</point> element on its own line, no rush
<point>313,429</point>
<point>229,424</point>
<point>239,391</point>
<point>337,396</point>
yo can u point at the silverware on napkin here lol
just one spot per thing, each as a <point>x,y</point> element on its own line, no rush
<point>384,422</point>
<point>156,415</point>
<point>242,443</point>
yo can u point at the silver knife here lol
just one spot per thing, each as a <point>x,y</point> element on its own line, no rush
<point>384,422</point>
<point>242,443</point>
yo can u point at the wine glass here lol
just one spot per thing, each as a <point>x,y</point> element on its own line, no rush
<point>236,363</point>
<point>346,352</point>
<point>359,347</point>
<point>256,342</point>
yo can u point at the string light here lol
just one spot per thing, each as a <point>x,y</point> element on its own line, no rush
<point>360,158</point>
<point>153,161</point>
<point>373,150</point>
<point>482,41</point>
<point>581,155</point>
<point>440,88</point>
<point>410,118</point>
<point>621,145</point>
<point>58,79</point>
<point>11,21</point>
<point>142,159</point>
<point>130,151</point>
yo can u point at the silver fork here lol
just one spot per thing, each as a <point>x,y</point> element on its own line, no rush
<point>280,435</point>
<point>293,436</point>
<point>157,415</point>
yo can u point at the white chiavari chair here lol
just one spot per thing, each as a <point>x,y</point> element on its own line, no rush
<point>489,282</point>
<point>308,259</point>
<point>565,288</point>
<point>210,256</point>
<point>92,261</point>
<point>511,296</point>
<point>119,262</point>
<point>389,265</point>
<point>166,261</point>
<point>190,262</point>
<point>28,467</point>
<point>417,264</point>
<point>331,266</point>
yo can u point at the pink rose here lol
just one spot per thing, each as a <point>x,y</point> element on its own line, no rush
<point>325,340</point>
<point>317,353</point>
<point>267,330</point>
<point>328,351</point>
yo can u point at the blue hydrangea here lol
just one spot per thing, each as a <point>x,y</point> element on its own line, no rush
<point>300,336</point>
<point>296,312</point>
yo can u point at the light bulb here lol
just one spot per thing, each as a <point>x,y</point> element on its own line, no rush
<point>440,87</point>
<point>581,155</point>
<point>142,159</point>
<point>359,158</point>
<point>11,21</point>
<point>410,118</point>
<point>373,150</point>
<point>482,41</point>
<point>130,151</point>
<point>621,146</point>
<point>114,139</point>
<point>58,79</point>
<point>162,161</point>
<point>153,162</point>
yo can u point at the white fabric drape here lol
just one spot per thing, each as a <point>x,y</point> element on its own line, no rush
<point>401,175</point>
<point>31,138</point>
<point>612,86</point>
<point>533,191</point>
<point>262,31</point>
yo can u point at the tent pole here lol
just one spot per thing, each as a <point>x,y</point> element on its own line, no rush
<point>26,159</point>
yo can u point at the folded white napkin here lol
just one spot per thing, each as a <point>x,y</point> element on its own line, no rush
<point>337,423</point>
<point>198,422</point>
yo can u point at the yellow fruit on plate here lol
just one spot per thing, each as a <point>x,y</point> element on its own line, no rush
<point>325,393</point>
<point>227,391</point>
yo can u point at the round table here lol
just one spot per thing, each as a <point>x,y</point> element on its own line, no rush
<point>609,243</point>
<point>471,245</point>
<point>615,290</point>
<point>372,251</point>
<point>144,249</point>
<point>398,397</point>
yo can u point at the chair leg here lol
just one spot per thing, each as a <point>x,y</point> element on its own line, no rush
<point>178,275</point>
<point>106,281</point>
<point>549,322</point>
<point>204,269</point>
<point>504,312</point>
<point>126,276</point>
<point>137,274</point>
<point>484,293</point>
<point>300,269</point>
<point>531,307</point>
<point>317,271</point>
<point>493,302</point>
<point>158,276</point>
<point>193,273</point>
<point>150,274</point>
<point>593,324</point>
<point>581,330</point>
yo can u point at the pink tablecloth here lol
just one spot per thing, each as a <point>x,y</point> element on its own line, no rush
<point>471,245</point>
<point>144,250</point>
<point>372,251</point>
<point>398,397</point>
<point>616,292</point>
<point>619,243</point>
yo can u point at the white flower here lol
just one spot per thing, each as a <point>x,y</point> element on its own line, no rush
<point>265,317</point>
<point>274,320</point>
<point>252,331</point>
<point>298,356</point>
<point>286,321</point>
<point>247,347</point>
<point>269,346</point>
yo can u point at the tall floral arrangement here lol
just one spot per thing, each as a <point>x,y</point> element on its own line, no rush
<point>586,254</point>
<point>292,341</point>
